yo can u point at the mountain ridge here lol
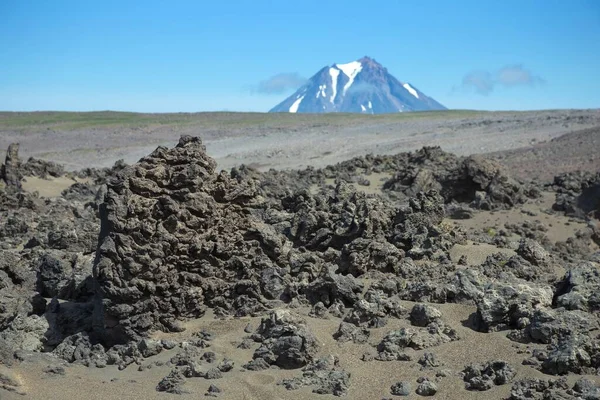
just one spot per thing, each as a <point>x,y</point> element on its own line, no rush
<point>361,86</point>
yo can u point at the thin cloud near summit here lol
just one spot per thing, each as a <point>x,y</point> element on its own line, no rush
<point>280,83</point>
<point>484,82</point>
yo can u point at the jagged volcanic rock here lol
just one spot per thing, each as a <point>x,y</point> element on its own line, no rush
<point>175,235</point>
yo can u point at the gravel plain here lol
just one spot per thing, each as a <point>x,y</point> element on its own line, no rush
<point>280,141</point>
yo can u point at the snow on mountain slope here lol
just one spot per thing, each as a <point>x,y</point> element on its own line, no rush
<point>362,86</point>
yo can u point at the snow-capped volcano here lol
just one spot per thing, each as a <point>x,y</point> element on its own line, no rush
<point>362,86</point>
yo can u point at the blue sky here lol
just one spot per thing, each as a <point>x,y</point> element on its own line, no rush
<point>159,56</point>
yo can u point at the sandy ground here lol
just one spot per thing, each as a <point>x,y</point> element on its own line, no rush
<point>369,380</point>
<point>51,187</point>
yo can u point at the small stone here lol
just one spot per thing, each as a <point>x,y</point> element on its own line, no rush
<point>258,364</point>
<point>424,314</point>
<point>212,391</point>
<point>55,370</point>
<point>172,383</point>
<point>426,388</point>
<point>168,344</point>
<point>368,356</point>
<point>213,373</point>
<point>318,311</point>
<point>428,361</point>
<point>401,389</point>
<point>149,347</point>
<point>226,365</point>
<point>443,373</point>
<point>209,356</point>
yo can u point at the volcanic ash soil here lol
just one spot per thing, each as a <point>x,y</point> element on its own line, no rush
<point>420,274</point>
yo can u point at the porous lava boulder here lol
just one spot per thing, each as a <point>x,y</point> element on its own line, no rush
<point>336,219</point>
<point>176,237</point>
<point>482,377</point>
<point>482,183</point>
<point>424,314</point>
<point>505,305</point>
<point>539,389</point>
<point>10,171</point>
<point>574,353</point>
<point>395,343</point>
<point>577,193</point>
<point>549,325</point>
<point>42,169</point>
<point>324,375</point>
<point>580,288</point>
<point>418,228</point>
<point>286,340</point>
<point>532,251</point>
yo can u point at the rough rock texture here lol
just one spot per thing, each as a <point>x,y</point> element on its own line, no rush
<point>574,353</point>
<point>550,325</point>
<point>10,171</point>
<point>46,250</point>
<point>175,236</point>
<point>286,340</point>
<point>426,387</point>
<point>172,383</point>
<point>539,389</point>
<point>393,345</point>
<point>508,305</point>
<point>324,375</point>
<point>481,183</point>
<point>429,361</point>
<point>580,288</point>
<point>41,168</point>
<point>423,314</point>
<point>349,332</point>
<point>401,389</point>
<point>532,251</point>
<point>578,193</point>
<point>483,377</point>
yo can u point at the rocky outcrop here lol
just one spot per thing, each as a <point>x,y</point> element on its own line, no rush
<point>424,314</point>
<point>580,288</point>
<point>505,305</point>
<point>42,169</point>
<point>10,172</point>
<point>482,377</point>
<point>324,376</point>
<point>393,345</point>
<point>533,252</point>
<point>286,340</point>
<point>474,180</point>
<point>539,389</point>
<point>176,237</point>
<point>577,194</point>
